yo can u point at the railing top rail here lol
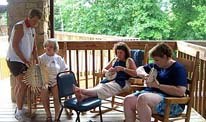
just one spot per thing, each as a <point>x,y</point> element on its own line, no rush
<point>188,47</point>
<point>92,36</point>
<point>191,49</point>
<point>105,45</point>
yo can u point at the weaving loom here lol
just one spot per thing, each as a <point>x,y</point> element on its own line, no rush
<point>152,75</point>
<point>36,77</point>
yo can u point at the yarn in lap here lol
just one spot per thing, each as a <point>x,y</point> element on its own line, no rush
<point>110,75</point>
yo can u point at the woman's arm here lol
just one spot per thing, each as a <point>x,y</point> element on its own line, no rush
<point>107,67</point>
<point>140,71</point>
<point>62,63</point>
<point>172,90</point>
<point>131,69</point>
<point>168,89</point>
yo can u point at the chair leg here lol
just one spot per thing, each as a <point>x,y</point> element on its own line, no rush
<point>187,119</point>
<point>29,101</point>
<point>100,113</point>
<point>156,120</point>
<point>78,118</point>
<point>60,113</point>
<point>112,104</point>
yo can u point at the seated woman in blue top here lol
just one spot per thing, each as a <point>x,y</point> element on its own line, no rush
<point>119,66</point>
<point>171,80</point>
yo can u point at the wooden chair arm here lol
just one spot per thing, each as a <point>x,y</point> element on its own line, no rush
<point>177,100</point>
<point>137,87</point>
<point>98,76</point>
<point>169,101</point>
<point>136,81</point>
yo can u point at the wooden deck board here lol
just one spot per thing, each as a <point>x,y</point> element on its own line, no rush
<point>7,111</point>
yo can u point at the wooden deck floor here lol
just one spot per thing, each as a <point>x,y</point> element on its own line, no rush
<point>7,111</point>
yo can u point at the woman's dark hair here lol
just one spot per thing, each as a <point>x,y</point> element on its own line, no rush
<point>122,46</point>
<point>160,50</point>
<point>35,13</point>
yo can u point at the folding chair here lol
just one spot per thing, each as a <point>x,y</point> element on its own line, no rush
<point>65,82</point>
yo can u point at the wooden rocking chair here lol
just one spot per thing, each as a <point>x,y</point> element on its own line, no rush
<point>121,96</point>
<point>192,69</point>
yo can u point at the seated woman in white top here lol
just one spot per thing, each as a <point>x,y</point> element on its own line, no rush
<point>55,64</point>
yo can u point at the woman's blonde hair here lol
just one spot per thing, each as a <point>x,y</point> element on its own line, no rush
<point>54,41</point>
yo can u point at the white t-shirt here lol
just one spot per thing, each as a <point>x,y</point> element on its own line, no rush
<point>55,64</point>
<point>26,44</point>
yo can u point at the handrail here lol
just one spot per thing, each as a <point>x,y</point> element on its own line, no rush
<point>83,36</point>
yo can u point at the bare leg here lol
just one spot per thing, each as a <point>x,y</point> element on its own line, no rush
<point>145,105</point>
<point>56,101</point>
<point>20,91</point>
<point>15,87</point>
<point>82,94</point>
<point>45,101</point>
<point>92,92</point>
<point>130,108</point>
<point>77,92</point>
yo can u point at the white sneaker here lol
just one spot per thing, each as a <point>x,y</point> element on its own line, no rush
<point>24,110</point>
<point>21,118</point>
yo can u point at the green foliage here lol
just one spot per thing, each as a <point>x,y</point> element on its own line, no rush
<point>149,21</point>
<point>114,17</point>
<point>186,15</point>
<point>102,17</point>
<point>144,19</point>
<point>3,18</point>
<point>62,13</point>
<point>199,24</point>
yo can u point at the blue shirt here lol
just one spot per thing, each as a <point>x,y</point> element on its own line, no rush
<point>175,75</point>
<point>121,75</point>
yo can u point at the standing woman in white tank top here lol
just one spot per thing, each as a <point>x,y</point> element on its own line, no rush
<point>22,46</point>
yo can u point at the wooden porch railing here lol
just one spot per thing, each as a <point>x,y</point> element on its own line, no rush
<point>83,36</point>
<point>187,51</point>
<point>86,58</point>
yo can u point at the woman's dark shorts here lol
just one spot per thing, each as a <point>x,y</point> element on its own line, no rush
<point>16,68</point>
